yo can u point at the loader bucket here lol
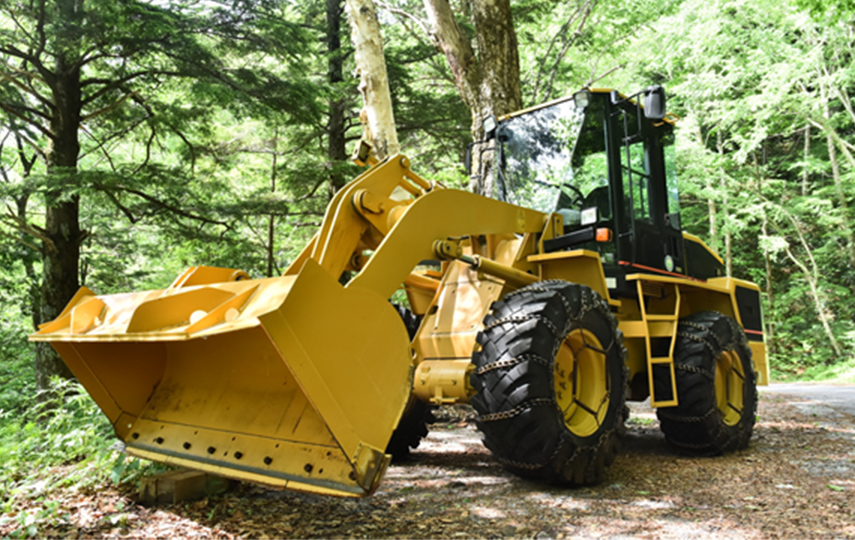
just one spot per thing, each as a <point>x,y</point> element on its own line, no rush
<point>292,381</point>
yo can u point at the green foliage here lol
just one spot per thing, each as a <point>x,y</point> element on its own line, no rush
<point>746,78</point>
<point>59,440</point>
<point>205,121</point>
<point>17,376</point>
<point>841,372</point>
<point>202,122</point>
<point>763,91</point>
<point>54,438</point>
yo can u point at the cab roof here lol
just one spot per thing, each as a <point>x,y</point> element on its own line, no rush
<point>670,118</point>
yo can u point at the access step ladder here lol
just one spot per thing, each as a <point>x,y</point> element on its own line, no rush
<point>660,311</point>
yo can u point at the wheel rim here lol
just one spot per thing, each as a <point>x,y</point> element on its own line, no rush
<point>729,387</point>
<point>582,382</point>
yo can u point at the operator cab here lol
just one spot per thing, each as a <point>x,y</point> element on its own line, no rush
<point>605,163</point>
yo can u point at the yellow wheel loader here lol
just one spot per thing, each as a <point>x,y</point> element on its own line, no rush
<point>546,306</point>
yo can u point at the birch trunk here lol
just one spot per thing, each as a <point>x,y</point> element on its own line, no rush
<point>711,209</point>
<point>767,259</point>
<point>725,208</point>
<point>811,276</point>
<point>812,279</point>
<point>728,237</point>
<point>805,168</point>
<point>271,219</point>
<point>377,118</point>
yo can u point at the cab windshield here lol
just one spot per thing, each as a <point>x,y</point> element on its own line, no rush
<point>554,160</point>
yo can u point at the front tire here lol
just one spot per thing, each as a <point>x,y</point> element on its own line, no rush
<point>413,425</point>
<point>716,387</point>
<point>550,378</point>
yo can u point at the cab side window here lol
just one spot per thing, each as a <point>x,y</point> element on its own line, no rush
<point>635,169</point>
<point>666,141</point>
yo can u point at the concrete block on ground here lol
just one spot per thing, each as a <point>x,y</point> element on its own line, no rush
<point>181,485</point>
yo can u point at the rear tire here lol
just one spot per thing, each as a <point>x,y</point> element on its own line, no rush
<point>550,379</point>
<point>716,387</point>
<point>412,427</point>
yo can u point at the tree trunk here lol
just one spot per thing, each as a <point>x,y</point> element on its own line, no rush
<point>271,219</point>
<point>811,276</point>
<point>728,237</point>
<point>489,81</point>
<point>812,279</point>
<point>711,210</point>
<point>711,214</point>
<point>806,168</point>
<point>336,142</point>
<point>61,247</point>
<point>770,291</point>
<point>725,208</point>
<point>30,257</point>
<point>377,117</point>
<point>767,259</point>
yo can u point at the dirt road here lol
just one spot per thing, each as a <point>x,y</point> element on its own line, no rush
<point>796,480</point>
<point>838,397</point>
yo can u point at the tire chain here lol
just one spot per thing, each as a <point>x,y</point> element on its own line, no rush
<point>695,369</point>
<point>534,466</point>
<point>686,419</point>
<point>585,306</point>
<point>486,368</point>
<point>522,318</point>
<point>696,339</point>
<point>734,332</point>
<point>568,309</point>
<point>702,332</point>
<point>700,446</point>
<point>519,409</point>
<point>602,441</point>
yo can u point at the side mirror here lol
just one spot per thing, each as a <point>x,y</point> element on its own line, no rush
<point>490,124</point>
<point>673,221</point>
<point>467,159</point>
<point>582,98</point>
<point>654,102</point>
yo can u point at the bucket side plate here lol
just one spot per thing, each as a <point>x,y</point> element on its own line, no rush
<point>294,382</point>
